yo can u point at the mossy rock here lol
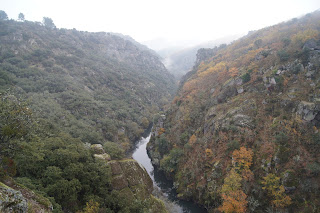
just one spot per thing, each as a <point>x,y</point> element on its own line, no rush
<point>115,167</point>
<point>140,191</point>
<point>156,205</point>
<point>119,182</point>
<point>11,200</point>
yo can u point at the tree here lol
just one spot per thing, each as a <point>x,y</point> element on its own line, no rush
<point>3,15</point>
<point>242,160</point>
<point>21,17</point>
<point>234,199</point>
<point>271,183</point>
<point>91,207</point>
<point>15,122</point>
<point>47,22</point>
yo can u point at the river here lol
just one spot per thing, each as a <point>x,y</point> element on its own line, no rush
<point>160,182</point>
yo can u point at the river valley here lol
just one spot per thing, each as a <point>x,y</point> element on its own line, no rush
<point>160,182</point>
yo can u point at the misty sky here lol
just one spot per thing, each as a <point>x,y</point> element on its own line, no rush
<point>171,19</point>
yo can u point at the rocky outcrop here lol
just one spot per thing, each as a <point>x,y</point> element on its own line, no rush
<point>16,198</point>
<point>99,153</point>
<point>11,200</point>
<point>132,182</point>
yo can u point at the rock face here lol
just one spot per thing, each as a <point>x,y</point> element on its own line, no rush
<point>133,183</point>
<point>15,198</point>
<point>11,200</point>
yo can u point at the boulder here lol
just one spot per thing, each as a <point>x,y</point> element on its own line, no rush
<point>103,156</point>
<point>307,110</point>
<point>97,149</point>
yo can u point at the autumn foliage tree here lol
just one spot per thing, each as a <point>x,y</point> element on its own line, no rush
<point>271,183</point>
<point>234,199</point>
<point>242,160</point>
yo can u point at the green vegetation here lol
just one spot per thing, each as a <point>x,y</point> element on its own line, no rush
<point>62,90</point>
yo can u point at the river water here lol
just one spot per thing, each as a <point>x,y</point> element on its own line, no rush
<point>160,182</point>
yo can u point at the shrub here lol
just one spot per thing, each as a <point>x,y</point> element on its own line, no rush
<point>314,168</point>
<point>283,55</point>
<point>246,77</point>
<point>114,150</point>
<point>233,145</point>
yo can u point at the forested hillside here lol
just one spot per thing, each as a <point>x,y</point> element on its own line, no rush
<point>61,91</point>
<point>242,134</point>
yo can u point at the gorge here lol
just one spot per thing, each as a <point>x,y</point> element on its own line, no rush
<point>240,133</point>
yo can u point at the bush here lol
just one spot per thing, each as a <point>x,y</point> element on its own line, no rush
<point>170,162</point>
<point>283,55</point>
<point>246,77</point>
<point>233,145</point>
<point>314,168</point>
<point>114,150</point>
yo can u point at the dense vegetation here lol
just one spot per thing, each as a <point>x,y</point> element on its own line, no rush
<point>62,90</point>
<point>242,133</point>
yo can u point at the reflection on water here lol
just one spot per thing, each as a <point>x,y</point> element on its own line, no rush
<point>160,181</point>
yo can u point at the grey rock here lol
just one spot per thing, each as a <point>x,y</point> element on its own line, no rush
<point>272,81</point>
<point>239,81</point>
<point>12,200</point>
<point>97,149</point>
<point>240,90</point>
<point>243,121</point>
<point>310,74</point>
<point>307,110</point>
<point>104,156</point>
<point>265,80</point>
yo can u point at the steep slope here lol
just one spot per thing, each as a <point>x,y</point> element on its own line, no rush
<point>242,133</point>
<point>94,85</point>
<point>60,91</point>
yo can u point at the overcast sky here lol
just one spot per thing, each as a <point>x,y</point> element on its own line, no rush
<point>170,19</point>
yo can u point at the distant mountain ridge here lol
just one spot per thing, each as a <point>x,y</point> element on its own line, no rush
<point>180,60</point>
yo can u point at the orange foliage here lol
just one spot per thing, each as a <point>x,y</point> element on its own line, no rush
<point>209,153</point>
<point>234,199</point>
<point>242,158</point>
<point>192,139</point>
<point>161,131</point>
<point>233,72</point>
<point>234,202</point>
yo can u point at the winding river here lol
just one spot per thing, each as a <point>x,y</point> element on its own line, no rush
<point>160,182</point>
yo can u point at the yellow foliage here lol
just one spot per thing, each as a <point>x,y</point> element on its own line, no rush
<point>219,67</point>
<point>234,199</point>
<point>276,191</point>
<point>91,207</point>
<point>305,35</point>
<point>232,182</point>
